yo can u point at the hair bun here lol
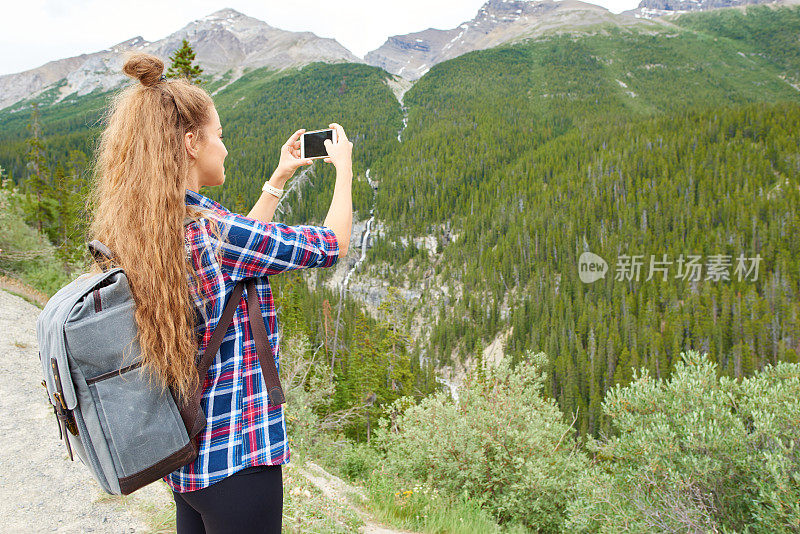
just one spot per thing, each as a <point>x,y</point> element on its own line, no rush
<point>146,68</point>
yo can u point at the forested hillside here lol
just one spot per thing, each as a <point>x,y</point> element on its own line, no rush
<point>673,144</point>
<point>518,159</point>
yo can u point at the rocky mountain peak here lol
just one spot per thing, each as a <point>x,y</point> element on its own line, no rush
<point>223,41</point>
<point>228,19</point>
<point>225,13</point>
<point>137,42</point>
<point>511,8</point>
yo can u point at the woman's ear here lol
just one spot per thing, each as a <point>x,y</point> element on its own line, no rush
<point>188,141</point>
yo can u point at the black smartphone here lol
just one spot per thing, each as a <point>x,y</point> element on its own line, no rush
<point>312,144</point>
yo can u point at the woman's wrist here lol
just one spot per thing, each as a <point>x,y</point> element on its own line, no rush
<point>278,179</point>
<point>344,170</point>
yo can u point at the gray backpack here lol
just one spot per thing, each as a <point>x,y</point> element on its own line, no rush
<point>126,432</point>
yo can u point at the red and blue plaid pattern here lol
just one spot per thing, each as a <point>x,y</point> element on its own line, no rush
<point>242,430</point>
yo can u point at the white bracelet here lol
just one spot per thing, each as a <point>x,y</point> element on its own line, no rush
<point>272,189</point>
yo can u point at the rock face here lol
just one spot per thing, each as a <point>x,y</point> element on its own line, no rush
<point>225,40</point>
<point>497,22</point>
<point>657,8</point>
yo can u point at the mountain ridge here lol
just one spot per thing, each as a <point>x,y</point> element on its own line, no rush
<point>497,22</point>
<point>227,40</point>
<point>650,9</point>
<point>224,40</point>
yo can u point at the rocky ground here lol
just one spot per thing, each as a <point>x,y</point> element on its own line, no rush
<point>42,490</point>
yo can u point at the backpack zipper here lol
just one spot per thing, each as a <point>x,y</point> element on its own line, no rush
<point>111,374</point>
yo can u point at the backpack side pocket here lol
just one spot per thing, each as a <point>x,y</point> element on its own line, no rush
<point>140,424</point>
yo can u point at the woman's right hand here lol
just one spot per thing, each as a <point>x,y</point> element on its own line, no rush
<point>340,153</point>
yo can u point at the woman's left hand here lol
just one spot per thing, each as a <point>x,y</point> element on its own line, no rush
<point>290,157</point>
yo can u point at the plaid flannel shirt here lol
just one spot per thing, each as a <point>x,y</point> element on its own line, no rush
<point>242,430</point>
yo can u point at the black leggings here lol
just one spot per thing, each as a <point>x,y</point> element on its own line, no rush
<point>249,501</point>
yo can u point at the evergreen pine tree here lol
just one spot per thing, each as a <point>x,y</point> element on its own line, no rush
<point>182,66</point>
<point>72,224</point>
<point>38,202</point>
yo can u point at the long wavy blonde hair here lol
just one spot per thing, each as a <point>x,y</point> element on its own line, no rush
<point>137,201</point>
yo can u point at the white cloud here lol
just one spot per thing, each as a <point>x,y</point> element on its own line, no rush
<point>33,32</point>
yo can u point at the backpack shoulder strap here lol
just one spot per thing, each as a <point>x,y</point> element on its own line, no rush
<point>102,254</point>
<point>264,350</point>
<point>190,410</point>
<point>219,333</point>
<point>266,356</point>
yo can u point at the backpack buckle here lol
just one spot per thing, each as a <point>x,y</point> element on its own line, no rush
<point>66,415</point>
<point>60,399</point>
<point>65,418</point>
<point>71,425</point>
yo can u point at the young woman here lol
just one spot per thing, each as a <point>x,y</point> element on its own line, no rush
<point>183,253</point>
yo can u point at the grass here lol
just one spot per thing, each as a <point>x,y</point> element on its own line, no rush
<point>27,258</point>
<point>421,508</point>
<point>159,520</point>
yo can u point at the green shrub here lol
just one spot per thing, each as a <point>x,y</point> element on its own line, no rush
<point>502,445</point>
<point>358,461</point>
<point>306,383</point>
<point>26,255</point>
<point>697,453</point>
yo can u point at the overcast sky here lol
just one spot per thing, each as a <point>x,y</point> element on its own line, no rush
<point>33,32</point>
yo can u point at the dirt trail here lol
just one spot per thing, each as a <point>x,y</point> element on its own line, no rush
<point>20,288</point>
<point>41,490</point>
<point>340,491</point>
